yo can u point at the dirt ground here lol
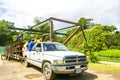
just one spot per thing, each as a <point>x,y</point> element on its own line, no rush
<point>13,70</point>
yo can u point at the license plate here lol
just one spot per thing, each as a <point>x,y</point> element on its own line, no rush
<point>78,71</point>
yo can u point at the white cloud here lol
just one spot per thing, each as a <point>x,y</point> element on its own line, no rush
<point>102,11</point>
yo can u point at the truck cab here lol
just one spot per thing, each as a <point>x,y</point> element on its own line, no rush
<point>55,58</point>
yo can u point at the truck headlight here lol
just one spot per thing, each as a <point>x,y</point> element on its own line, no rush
<point>58,62</point>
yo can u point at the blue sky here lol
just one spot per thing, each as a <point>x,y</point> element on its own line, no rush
<point>22,12</point>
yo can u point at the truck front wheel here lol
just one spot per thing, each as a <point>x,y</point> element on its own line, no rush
<point>47,71</point>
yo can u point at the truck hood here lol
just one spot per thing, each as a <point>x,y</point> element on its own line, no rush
<point>62,53</point>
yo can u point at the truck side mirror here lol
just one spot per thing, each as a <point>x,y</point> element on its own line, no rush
<point>38,49</point>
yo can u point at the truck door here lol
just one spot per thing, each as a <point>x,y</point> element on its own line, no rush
<point>36,55</point>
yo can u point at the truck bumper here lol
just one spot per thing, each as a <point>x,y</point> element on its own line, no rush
<point>70,69</point>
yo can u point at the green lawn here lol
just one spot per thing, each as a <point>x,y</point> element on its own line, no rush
<point>109,59</point>
<point>112,53</point>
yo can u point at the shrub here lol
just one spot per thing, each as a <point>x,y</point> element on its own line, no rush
<point>93,57</point>
<point>113,47</point>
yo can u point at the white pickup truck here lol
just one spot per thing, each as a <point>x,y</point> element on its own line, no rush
<point>54,58</point>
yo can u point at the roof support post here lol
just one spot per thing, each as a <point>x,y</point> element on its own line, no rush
<point>51,30</point>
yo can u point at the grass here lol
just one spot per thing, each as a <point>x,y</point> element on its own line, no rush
<point>109,59</point>
<point>112,53</point>
<point>105,68</point>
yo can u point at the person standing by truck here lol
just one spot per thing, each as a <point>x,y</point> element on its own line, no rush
<point>39,39</point>
<point>31,44</point>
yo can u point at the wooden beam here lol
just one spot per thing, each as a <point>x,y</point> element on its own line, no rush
<point>68,39</point>
<point>51,30</point>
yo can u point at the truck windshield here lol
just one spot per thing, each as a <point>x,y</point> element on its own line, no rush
<point>54,47</point>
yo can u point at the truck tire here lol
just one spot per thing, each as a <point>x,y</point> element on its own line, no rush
<point>26,63</point>
<point>47,71</point>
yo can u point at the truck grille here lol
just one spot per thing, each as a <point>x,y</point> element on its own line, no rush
<point>76,58</point>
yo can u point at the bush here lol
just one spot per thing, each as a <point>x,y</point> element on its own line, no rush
<point>93,57</point>
<point>113,47</point>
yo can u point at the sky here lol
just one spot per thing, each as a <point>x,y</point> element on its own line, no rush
<point>23,12</point>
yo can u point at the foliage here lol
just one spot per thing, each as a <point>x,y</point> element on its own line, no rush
<point>37,20</point>
<point>93,57</point>
<point>5,33</point>
<point>99,37</point>
<point>95,39</point>
<point>85,22</point>
<point>112,40</point>
<point>58,38</point>
<point>44,29</point>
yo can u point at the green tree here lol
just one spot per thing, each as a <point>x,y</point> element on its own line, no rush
<point>110,28</point>
<point>96,40</point>
<point>85,22</point>
<point>44,28</point>
<point>37,20</point>
<point>5,33</point>
<point>112,40</point>
<point>110,36</point>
